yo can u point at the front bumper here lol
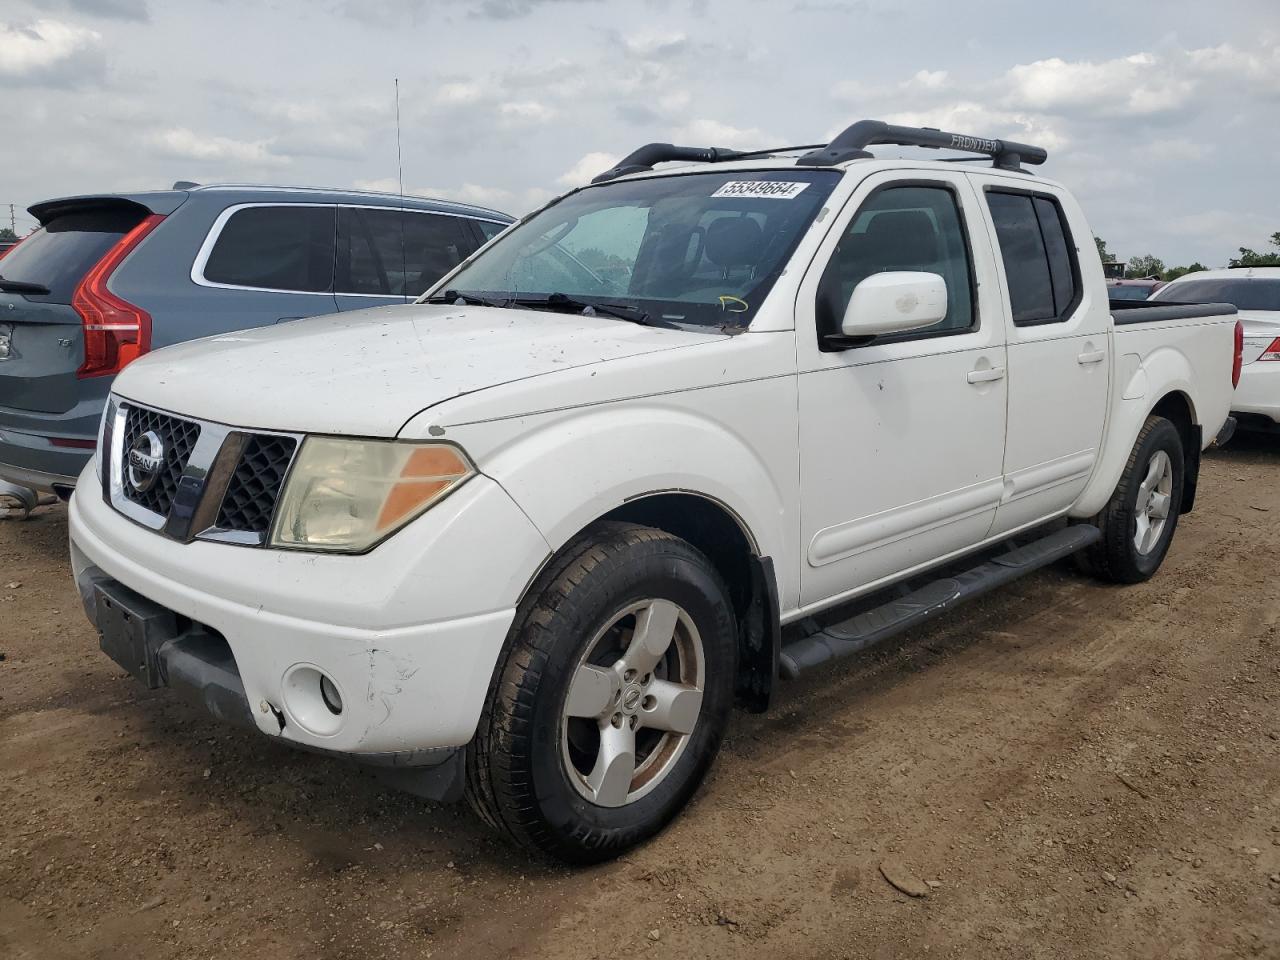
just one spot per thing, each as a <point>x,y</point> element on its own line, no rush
<point>408,634</point>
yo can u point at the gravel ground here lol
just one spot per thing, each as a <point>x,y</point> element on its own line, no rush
<point>1068,769</point>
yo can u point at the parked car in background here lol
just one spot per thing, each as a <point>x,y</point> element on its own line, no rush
<point>6,246</point>
<point>1133,289</point>
<point>109,277</point>
<point>1255,291</point>
<point>557,521</point>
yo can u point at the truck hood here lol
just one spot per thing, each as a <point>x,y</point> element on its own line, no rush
<point>367,372</point>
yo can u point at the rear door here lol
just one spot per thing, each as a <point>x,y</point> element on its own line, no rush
<point>1058,344</point>
<point>41,336</point>
<point>269,262</point>
<point>387,255</point>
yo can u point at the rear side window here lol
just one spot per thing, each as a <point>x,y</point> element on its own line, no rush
<point>59,254</point>
<point>388,252</point>
<point>1039,259</point>
<point>915,228</point>
<point>275,248</point>
<point>489,228</point>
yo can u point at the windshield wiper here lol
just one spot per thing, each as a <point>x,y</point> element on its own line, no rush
<point>562,301</point>
<point>21,286</point>
<point>453,296</point>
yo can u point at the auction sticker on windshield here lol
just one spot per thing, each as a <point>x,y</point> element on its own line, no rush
<point>762,189</point>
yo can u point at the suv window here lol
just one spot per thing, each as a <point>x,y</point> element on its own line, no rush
<point>1039,262</point>
<point>275,248</point>
<point>59,254</point>
<point>915,228</point>
<point>372,260</point>
<point>490,229</point>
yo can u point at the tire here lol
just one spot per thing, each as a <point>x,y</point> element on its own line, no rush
<point>1118,556</point>
<point>548,765</point>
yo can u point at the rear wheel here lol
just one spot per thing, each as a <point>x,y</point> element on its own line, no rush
<point>1138,522</point>
<point>612,698</point>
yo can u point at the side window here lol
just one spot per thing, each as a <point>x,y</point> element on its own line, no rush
<point>1038,256</point>
<point>489,228</point>
<point>914,228</point>
<point>275,248</point>
<point>394,253</point>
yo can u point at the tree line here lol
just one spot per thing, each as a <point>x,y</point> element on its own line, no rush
<point>1148,265</point>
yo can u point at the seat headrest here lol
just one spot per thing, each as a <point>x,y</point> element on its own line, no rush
<point>903,238</point>
<point>734,242</point>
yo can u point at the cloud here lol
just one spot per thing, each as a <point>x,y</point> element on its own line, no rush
<point>107,9</point>
<point>510,9</point>
<point>185,144</point>
<point>50,52</point>
<point>713,133</point>
<point>1134,85</point>
<point>497,198</point>
<point>656,46</point>
<point>520,112</point>
<point>589,166</point>
<point>978,120</point>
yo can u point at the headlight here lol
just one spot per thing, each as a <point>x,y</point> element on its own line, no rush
<point>347,495</point>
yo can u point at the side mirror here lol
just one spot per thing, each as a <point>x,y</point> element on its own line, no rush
<point>893,302</point>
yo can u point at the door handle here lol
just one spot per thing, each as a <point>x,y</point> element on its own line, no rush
<point>1091,356</point>
<point>986,375</point>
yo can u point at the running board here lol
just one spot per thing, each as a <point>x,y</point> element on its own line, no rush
<point>880,623</point>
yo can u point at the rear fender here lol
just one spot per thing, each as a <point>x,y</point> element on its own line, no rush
<point>1163,373</point>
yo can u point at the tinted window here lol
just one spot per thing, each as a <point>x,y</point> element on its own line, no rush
<point>901,228</point>
<point>397,253</point>
<point>275,248</point>
<point>489,228</point>
<point>1243,294</point>
<point>1037,254</point>
<point>62,252</point>
<point>1128,293</point>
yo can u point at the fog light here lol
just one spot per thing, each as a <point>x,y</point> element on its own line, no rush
<point>329,693</point>
<point>312,700</point>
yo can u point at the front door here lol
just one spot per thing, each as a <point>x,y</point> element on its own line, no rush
<point>902,438</point>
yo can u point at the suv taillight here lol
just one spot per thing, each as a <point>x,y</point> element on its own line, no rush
<point>1237,364</point>
<point>115,331</point>
<point>1272,352</point>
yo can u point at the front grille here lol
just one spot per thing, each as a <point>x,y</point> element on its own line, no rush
<point>250,500</point>
<point>177,437</point>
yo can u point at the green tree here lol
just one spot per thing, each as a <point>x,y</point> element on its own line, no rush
<point>1173,273</point>
<point>1103,254</point>
<point>1144,266</point>
<point>7,234</point>
<point>1251,258</point>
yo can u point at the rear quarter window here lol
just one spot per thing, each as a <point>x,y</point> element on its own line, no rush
<point>275,248</point>
<point>1039,261</point>
<point>59,254</point>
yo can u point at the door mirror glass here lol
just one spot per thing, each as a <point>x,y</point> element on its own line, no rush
<point>893,302</point>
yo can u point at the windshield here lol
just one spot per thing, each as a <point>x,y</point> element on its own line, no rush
<point>702,248</point>
<point>1243,294</point>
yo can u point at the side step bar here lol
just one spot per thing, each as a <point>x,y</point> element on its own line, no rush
<point>888,620</point>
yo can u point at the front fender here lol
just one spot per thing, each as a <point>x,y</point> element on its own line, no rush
<point>568,468</point>
<point>1142,384</point>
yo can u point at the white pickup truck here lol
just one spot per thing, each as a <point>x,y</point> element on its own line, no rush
<point>676,435</point>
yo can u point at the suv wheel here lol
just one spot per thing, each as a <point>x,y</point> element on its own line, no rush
<point>612,697</point>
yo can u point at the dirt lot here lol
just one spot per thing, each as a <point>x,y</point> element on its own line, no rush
<point>1083,771</point>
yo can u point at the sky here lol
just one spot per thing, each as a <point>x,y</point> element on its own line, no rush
<point>1162,117</point>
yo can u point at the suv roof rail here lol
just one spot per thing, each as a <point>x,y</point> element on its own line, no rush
<point>852,142</point>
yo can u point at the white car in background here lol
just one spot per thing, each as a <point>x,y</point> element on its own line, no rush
<point>1255,291</point>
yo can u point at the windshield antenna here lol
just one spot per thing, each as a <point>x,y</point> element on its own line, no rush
<point>404,256</point>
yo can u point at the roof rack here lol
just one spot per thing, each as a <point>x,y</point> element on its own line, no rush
<point>851,144</point>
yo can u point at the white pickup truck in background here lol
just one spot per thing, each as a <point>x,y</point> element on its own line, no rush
<point>675,435</point>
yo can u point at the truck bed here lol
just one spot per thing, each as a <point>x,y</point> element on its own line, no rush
<point>1125,312</point>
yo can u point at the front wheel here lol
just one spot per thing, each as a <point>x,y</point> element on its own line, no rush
<point>612,699</point>
<point>1139,520</point>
